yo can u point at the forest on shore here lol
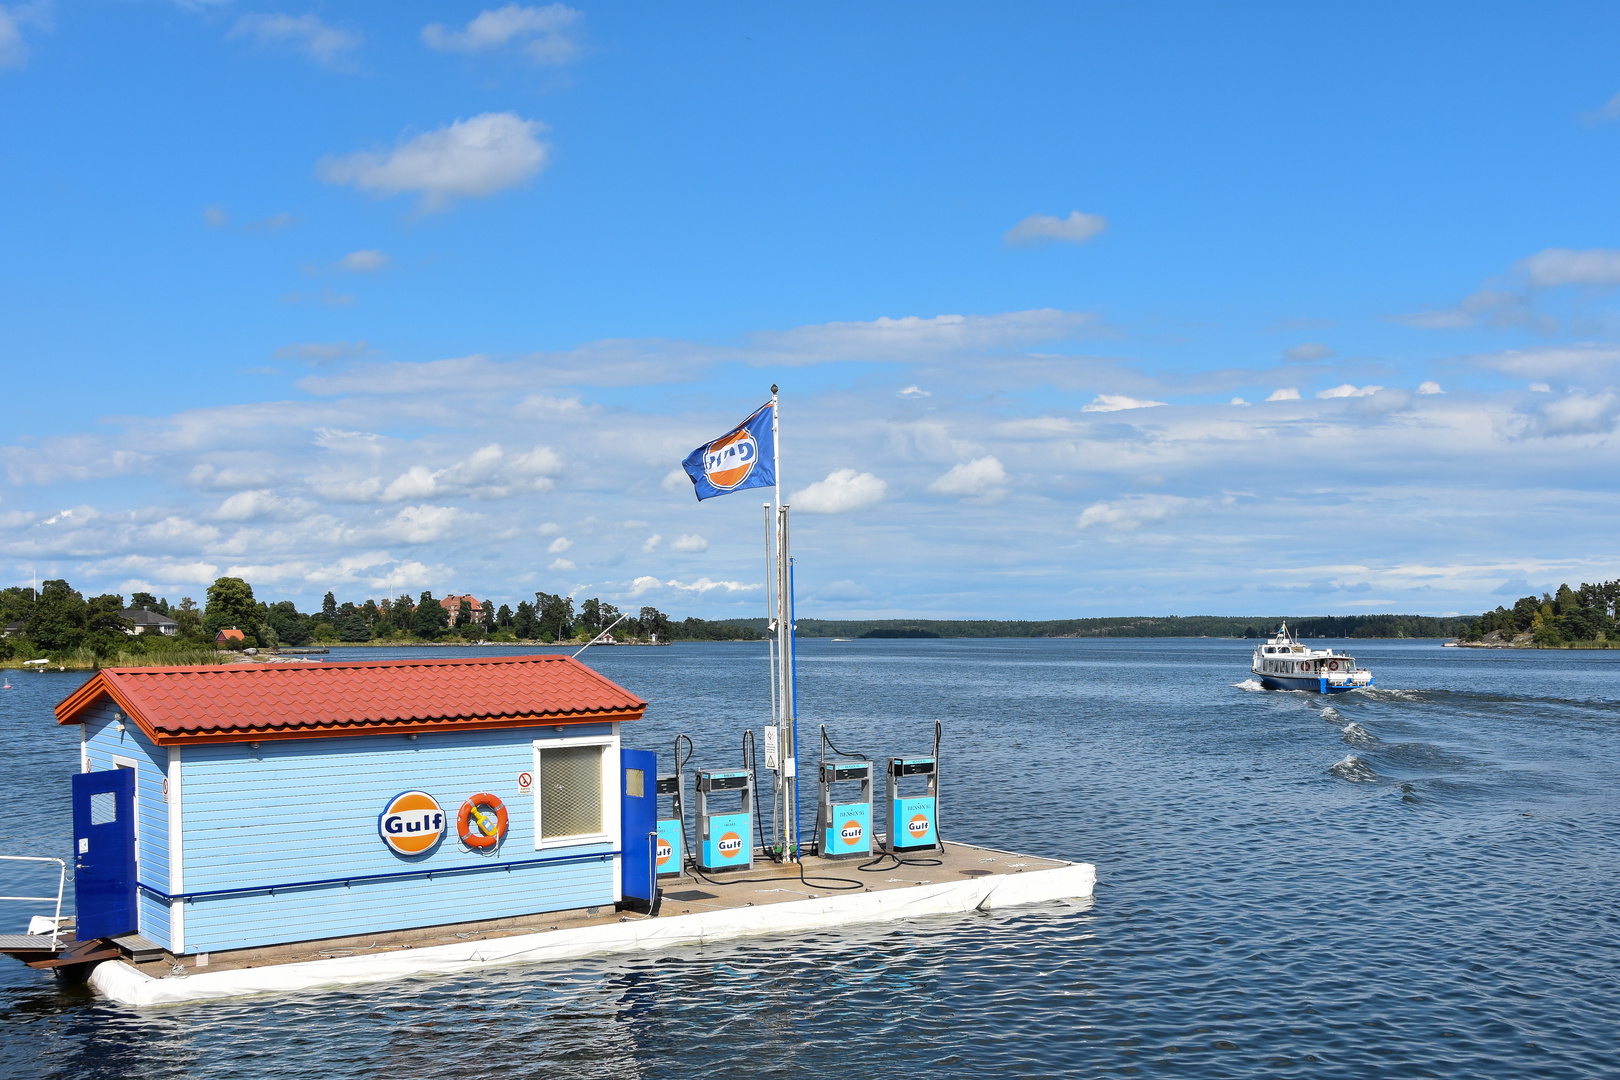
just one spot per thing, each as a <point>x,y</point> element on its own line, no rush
<point>1220,626</point>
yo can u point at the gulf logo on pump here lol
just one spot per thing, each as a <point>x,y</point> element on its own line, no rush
<point>728,461</point>
<point>729,846</point>
<point>411,823</point>
<point>917,826</point>
<point>664,851</point>
<point>851,833</point>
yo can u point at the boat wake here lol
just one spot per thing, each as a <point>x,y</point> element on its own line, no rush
<point>1249,684</point>
<point>1354,770</point>
<point>1356,735</point>
<point>1332,715</point>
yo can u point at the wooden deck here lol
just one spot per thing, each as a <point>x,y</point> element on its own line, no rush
<point>767,883</point>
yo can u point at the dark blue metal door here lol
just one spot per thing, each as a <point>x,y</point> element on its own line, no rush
<point>104,853</point>
<point>638,822</point>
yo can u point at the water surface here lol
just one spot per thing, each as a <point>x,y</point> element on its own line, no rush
<point>1414,880</point>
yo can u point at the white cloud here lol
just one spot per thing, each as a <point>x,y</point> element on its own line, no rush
<point>1346,390</point>
<point>1039,229</point>
<point>1429,387</point>
<point>1610,110</point>
<point>321,353</point>
<point>1118,403</point>
<point>971,478</point>
<point>701,586</point>
<point>676,480</point>
<point>1587,361</point>
<point>262,504</point>
<point>690,542</point>
<point>560,545</point>
<point>1287,393</point>
<point>541,461</point>
<point>843,590</point>
<point>471,158</point>
<point>843,490</point>
<point>13,49</point>
<point>307,33</point>
<point>913,392</point>
<point>546,32</point>
<point>1540,388</point>
<point>911,336</point>
<point>561,564</point>
<point>549,528</point>
<point>1310,350</point>
<point>1562,266</point>
<point>1130,514</point>
<point>413,483</point>
<point>651,544</point>
<point>1239,401</point>
<point>365,261</point>
<point>421,524</point>
<point>1577,414</point>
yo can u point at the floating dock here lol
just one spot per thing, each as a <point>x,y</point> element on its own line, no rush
<point>768,900</point>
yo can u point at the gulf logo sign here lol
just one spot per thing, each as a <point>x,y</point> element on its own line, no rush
<point>917,826</point>
<point>729,846</point>
<point>730,460</point>
<point>851,833</point>
<point>664,851</point>
<point>411,823</point>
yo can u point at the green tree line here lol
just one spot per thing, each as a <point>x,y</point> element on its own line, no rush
<point>1570,617</point>
<point>61,623</point>
<point>1328,626</point>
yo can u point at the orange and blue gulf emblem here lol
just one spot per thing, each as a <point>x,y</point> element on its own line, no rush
<point>729,460</point>
<point>411,823</point>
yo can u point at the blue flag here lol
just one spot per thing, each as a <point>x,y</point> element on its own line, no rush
<point>744,457</point>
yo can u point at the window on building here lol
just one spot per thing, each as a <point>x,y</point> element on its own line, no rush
<point>571,777</point>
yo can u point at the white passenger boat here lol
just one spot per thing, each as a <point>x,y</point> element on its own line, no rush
<point>1282,663</point>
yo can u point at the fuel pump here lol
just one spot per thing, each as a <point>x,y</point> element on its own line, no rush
<point>845,827</point>
<point>725,836</point>
<point>913,799</point>
<point>671,841</point>
<point>669,857</point>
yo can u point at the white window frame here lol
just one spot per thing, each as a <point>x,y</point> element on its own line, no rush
<point>610,791</point>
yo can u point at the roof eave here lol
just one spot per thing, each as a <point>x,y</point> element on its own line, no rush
<point>389,727</point>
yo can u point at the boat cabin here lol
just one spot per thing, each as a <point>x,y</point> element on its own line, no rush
<point>230,807</point>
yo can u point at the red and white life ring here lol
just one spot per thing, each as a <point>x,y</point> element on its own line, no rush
<point>1333,665</point>
<point>478,835</point>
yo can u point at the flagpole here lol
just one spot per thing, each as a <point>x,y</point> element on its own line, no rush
<point>787,765</point>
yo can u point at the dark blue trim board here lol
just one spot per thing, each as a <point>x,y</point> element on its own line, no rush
<point>400,876</point>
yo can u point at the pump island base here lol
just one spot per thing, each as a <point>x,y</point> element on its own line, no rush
<point>278,828</point>
<point>769,901</point>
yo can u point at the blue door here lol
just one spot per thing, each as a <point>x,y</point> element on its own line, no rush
<point>104,853</point>
<point>638,822</point>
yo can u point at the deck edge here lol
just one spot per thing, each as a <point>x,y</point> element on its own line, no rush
<point>128,986</point>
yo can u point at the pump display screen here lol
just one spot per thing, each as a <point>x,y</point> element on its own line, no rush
<point>727,783</point>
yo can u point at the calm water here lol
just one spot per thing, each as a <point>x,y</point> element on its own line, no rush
<point>1416,880</point>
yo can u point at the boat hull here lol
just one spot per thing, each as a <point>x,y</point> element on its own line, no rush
<point>1314,685</point>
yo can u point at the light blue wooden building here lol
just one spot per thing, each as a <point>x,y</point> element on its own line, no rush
<point>276,803</point>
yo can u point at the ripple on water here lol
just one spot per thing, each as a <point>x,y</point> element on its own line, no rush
<point>1353,769</point>
<point>1356,735</point>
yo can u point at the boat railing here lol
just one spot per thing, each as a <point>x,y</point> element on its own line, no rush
<point>61,881</point>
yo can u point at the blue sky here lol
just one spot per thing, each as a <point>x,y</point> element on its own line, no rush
<point>1077,309</point>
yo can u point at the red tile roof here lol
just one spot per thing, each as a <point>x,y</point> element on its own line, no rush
<point>176,706</point>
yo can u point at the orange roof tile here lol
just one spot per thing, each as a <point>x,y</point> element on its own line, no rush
<point>253,702</point>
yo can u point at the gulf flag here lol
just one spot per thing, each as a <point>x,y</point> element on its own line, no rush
<point>744,457</point>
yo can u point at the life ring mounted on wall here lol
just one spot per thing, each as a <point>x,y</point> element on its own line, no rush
<point>1333,665</point>
<point>482,821</point>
